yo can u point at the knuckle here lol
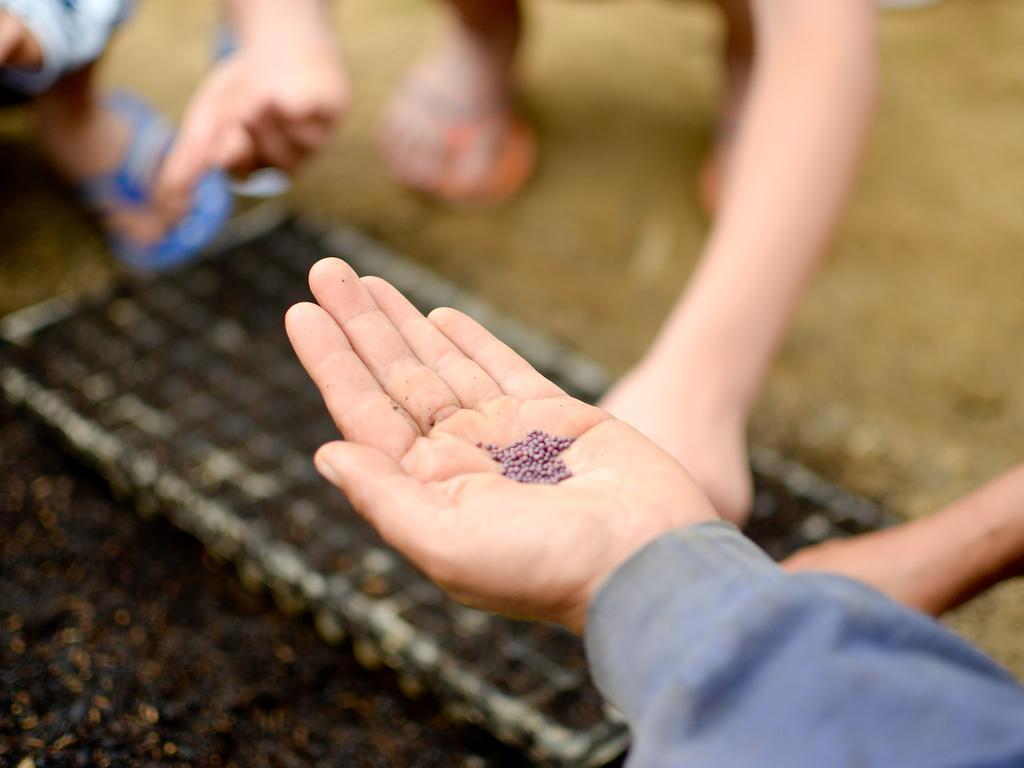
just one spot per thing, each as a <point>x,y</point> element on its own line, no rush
<point>443,413</point>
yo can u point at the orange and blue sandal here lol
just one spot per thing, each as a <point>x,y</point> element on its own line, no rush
<point>512,161</point>
<point>512,158</point>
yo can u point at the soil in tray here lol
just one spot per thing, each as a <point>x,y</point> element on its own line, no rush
<point>122,643</point>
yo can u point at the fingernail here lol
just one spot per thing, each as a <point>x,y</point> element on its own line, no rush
<point>325,469</point>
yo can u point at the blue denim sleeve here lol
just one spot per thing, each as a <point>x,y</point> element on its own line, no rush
<point>718,658</point>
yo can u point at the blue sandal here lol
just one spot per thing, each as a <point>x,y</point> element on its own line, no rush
<point>130,187</point>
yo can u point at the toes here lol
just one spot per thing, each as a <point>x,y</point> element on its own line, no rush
<point>400,146</point>
<point>470,167</point>
<point>427,156</point>
<point>142,227</point>
<point>456,137</point>
<point>388,136</point>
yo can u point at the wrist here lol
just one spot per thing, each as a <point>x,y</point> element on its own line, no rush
<point>715,347</point>
<point>649,525</point>
<point>1003,525</point>
<point>704,376</point>
<point>671,590</point>
<point>258,22</point>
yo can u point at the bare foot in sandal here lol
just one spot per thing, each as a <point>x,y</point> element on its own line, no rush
<point>452,130</point>
<point>83,138</point>
<point>110,148</point>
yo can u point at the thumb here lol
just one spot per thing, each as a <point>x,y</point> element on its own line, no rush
<point>192,152</point>
<point>402,509</point>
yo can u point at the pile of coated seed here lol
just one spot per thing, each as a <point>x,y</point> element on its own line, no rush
<point>533,460</point>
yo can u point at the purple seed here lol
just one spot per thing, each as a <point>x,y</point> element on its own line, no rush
<point>533,460</point>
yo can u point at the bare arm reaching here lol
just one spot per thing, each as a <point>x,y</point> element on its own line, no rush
<point>801,135</point>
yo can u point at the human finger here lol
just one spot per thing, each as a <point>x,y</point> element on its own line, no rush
<point>504,365</point>
<point>416,388</point>
<point>470,383</point>
<point>272,144</point>
<point>194,150</point>
<point>404,511</point>
<point>311,133</point>
<point>236,152</point>
<point>363,412</point>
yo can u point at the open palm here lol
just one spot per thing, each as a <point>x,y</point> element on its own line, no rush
<point>415,397</point>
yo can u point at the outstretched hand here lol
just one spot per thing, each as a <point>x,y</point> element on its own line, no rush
<point>414,398</point>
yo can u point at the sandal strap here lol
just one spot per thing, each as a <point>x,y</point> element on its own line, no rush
<point>226,43</point>
<point>130,186</point>
<point>432,97</point>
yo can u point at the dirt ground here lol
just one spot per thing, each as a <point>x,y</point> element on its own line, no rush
<point>124,643</point>
<point>898,377</point>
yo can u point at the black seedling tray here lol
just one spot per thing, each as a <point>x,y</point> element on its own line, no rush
<point>185,395</point>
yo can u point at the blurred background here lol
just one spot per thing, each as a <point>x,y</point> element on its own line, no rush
<point>901,377</point>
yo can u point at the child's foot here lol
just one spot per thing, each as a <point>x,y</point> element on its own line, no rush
<point>738,61</point>
<point>87,139</point>
<point>111,150</point>
<point>452,131</point>
<point>705,437</point>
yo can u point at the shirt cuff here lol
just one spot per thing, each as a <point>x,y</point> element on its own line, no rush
<point>664,601</point>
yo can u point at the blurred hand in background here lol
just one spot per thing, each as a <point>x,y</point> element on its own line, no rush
<point>273,102</point>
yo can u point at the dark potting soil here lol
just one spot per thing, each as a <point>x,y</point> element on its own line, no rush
<point>123,643</point>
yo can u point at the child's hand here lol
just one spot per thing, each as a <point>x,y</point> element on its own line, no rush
<point>18,47</point>
<point>273,103</point>
<point>415,396</point>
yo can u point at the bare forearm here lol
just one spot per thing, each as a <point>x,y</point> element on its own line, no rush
<point>937,563</point>
<point>796,155</point>
<point>261,19</point>
<point>970,546</point>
